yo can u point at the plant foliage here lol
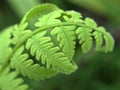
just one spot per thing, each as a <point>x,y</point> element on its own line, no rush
<point>43,45</point>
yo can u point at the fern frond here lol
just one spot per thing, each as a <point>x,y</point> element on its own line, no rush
<point>85,35</point>
<point>90,23</point>
<point>21,62</point>
<point>48,54</point>
<point>72,16</point>
<point>10,81</point>
<point>19,32</point>
<point>108,41</point>
<point>43,44</point>
<point>66,38</point>
<point>99,40</point>
<point>90,31</point>
<point>50,18</point>
<point>85,39</point>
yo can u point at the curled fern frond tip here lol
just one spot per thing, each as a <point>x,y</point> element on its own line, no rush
<point>44,43</point>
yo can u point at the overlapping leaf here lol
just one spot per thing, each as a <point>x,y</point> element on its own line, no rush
<point>66,38</point>
<point>49,19</point>
<point>43,48</point>
<point>27,67</point>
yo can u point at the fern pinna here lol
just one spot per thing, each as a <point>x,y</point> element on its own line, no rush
<point>43,45</point>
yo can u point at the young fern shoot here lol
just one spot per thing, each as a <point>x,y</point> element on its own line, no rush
<point>43,44</point>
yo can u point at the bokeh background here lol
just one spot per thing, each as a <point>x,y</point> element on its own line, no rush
<point>97,71</point>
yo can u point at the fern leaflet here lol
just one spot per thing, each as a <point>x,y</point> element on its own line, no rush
<point>10,81</point>
<point>84,35</point>
<point>26,66</point>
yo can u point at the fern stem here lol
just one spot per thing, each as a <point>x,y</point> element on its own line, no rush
<point>41,29</point>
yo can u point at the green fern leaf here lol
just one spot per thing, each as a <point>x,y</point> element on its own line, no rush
<point>90,23</point>
<point>86,35</point>
<point>66,38</point>
<point>35,13</point>
<point>43,44</point>
<point>85,39</point>
<point>99,40</point>
<point>50,18</point>
<point>72,16</point>
<point>109,41</point>
<point>45,51</point>
<point>10,81</point>
<point>27,67</point>
<point>19,33</point>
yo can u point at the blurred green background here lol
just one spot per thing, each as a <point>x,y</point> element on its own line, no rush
<point>97,71</point>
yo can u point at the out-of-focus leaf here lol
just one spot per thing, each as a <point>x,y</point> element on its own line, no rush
<point>22,6</point>
<point>108,8</point>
